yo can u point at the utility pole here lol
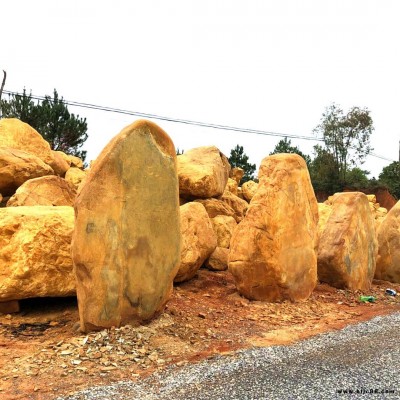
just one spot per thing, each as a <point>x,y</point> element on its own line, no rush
<point>1,89</point>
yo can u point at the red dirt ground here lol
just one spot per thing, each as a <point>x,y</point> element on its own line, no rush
<point>43,355</point>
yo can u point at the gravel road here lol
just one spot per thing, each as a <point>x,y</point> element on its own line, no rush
<point>363,357</point>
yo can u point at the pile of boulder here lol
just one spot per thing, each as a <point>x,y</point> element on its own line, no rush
<point>120,234</point>
<point>35,235</point>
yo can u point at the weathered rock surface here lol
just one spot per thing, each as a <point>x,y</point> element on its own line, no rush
<point>227,204</point>
<point>59,164</point>
<point>348,247</point>
<point>21,136</point>
<point>238,205</point>
<point>75,176</point>
<point>44,191</point>
<point>218,260</point>
<point>223,227</point>
<point>203,172</point>
<point>273,250</point>
<point>126,243</point>
<point>388,260</point>
<point>232,186</point>
<point>249,189</point>
<point>35,246</point>
<point>236,174</point>
<point>198,240</point>
<point>324,211</point>
<point>75,162</point>
<point>216,207</point>
<point>64,156</point>
<point>16,167</point>
<point>378,212</point>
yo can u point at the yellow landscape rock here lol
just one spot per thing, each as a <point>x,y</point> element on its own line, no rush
<point>203,172</point>
<point>44,191</point>
<point>16,167</point>
<point>249,189</point>
<point>75,176</point>
<point>223,227</point>
<point>64,156</point>
<point>348,246</point>
<point>21,136</point>
<point>388,260</point>
<point>216,207</point>
<point>75,162</point>
<point>126,242</point>
<point>218,260</point>
<point>236,173</point>
<point>198,240</point>
<point>273,250</point>
<point>232,186</point>
<point>59,164</point>
<point>35,251</point>
<point>238,205</point>
<point>324,211</point>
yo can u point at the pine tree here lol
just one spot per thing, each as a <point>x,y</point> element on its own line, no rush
<point>64,131</point>
<point>239,159</point>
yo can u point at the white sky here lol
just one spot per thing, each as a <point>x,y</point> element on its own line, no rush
<point>267,65</point>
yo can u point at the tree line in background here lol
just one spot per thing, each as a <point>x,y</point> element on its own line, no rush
<point>335,163</point>
<point>333,167</point>
<point>63,130</point>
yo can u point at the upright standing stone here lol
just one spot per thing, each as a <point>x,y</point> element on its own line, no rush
<point>273,250</point>
<point>348,246</point>
<point>388,260</point>
<point>126,243</point>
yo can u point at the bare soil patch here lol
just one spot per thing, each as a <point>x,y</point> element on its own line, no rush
<point>43,355</point>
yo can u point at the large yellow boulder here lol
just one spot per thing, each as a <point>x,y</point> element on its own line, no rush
<point>35,247</point>
<point>126,242</point>
<point>218,260</point>
<point>203,172</point>
<point>388,260</point>
<point>60,165</point>
<point>273,250</point>
<point>324,211</point>
<point>249,189</point>
<point>348,246</point>
<point>16,167</point>
<point>238,205</point>
<point>236,173</point>
<point>75,162</point>
<point>198,240</point>
<point>232,186</point>
<point>44,191</point>
<point>223,227</point>
<point>21,136</point>
<point>75,176</point>
<point>216,207</point>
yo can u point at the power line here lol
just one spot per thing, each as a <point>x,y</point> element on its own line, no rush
<point>177,120</point>
<point>188,122</point>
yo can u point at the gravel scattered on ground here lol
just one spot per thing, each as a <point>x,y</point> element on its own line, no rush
<point>363,357</point>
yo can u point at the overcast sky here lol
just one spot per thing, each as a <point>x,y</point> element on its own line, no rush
<point>266,65</point>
